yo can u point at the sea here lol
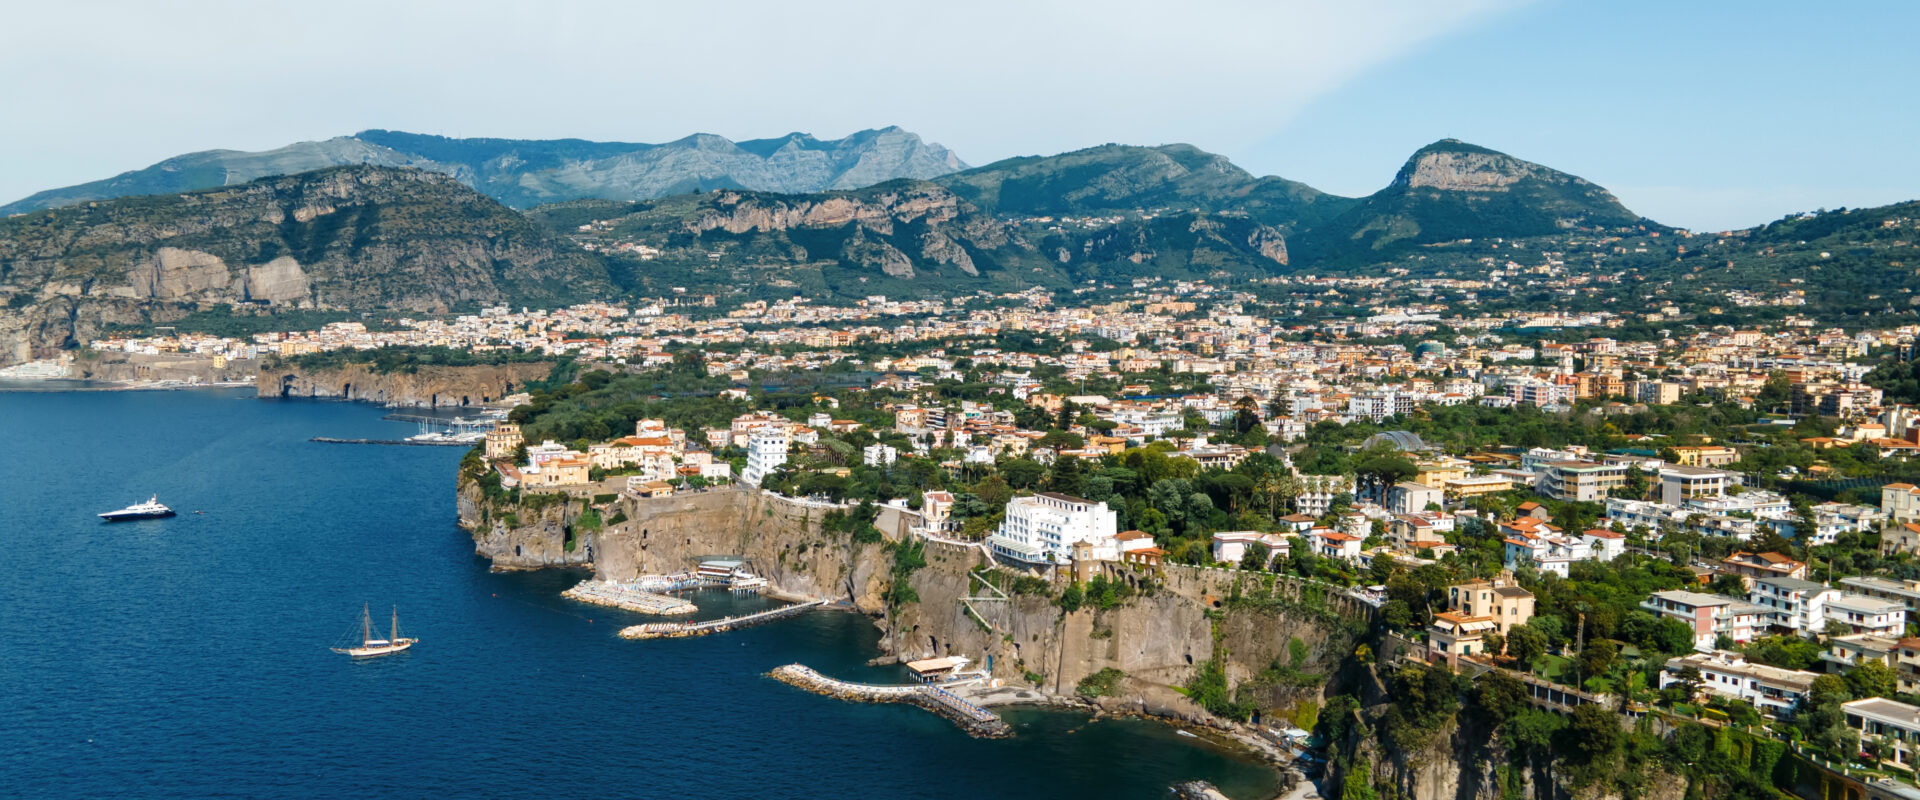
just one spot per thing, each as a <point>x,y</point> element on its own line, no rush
<point>188,657</point>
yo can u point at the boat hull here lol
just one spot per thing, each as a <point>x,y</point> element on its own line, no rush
<point>378,650</point>
<point>118,516</point>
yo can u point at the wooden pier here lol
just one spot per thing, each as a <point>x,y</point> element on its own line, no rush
<point>627,597</point>
<point>675,630</point>
<point>972,718</point>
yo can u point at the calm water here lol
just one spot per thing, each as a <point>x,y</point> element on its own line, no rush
<point>187,657</point>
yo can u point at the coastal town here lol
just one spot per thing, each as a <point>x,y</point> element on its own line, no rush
<point>1750,481</point>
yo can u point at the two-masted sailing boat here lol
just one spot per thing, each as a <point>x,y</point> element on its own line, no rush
<point>369,646</point>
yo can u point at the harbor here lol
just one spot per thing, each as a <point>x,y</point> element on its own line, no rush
<point>975,720</point>
<point>676,630</point>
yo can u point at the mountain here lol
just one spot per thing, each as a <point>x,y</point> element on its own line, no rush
<point>1451,190</point>
<point>903,237</point>
<point>359,237</point>
<point>527,172</point>
<point>1122,178</point>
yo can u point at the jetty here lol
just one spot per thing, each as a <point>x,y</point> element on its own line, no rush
<point>628,597</point>
<point>972,718</point>
<point>401,442</point>
<point>676,630</point>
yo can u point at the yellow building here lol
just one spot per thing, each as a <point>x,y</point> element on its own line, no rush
<point>503,440</point>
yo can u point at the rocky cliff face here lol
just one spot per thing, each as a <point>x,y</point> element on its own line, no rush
<point>526,536</point>
<point>424,387</point>
<point>358,237</point>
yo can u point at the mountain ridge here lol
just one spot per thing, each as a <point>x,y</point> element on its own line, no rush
<point>526,172</point>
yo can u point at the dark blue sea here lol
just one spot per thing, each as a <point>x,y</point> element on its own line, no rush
<point>188,657</point>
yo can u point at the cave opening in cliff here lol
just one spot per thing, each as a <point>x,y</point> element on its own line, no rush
<point>286,385</point>
<point>464,401</point>
<point>346,391</point>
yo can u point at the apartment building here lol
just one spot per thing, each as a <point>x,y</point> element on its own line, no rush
<point>1584,481</point>
<point>1710,615</point>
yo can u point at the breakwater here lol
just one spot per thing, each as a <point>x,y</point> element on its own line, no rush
<point>627,597</point>
<point>403,442</point>
<point>675,630</point>
<point>973,719</point>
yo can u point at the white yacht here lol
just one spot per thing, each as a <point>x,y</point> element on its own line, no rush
<point>152,509</point>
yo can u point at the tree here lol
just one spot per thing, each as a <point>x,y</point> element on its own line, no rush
<point>1870,679</point>
<point>1022,472</point>
<point>1499,696</point>
<point>1594,732</point>
<point>1256,556</point>
<point>1526,644</point>
<point>1066,477</point>
<point>1597,657</point>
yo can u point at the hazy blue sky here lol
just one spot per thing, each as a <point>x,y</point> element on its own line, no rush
<point>1700,114</point>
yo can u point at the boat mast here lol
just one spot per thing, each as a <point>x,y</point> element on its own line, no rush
<point>366,625</point>
<point>395,635</point>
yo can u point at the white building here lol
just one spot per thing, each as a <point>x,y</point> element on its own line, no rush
<point>1862,614</point>
<point>1678,485</point>
<point>1711,616</point>
<point>1043,528</point>
<point>1772,690</point>
<point>766,451</point>
<point>879,455</point>
<point>1798,605</point>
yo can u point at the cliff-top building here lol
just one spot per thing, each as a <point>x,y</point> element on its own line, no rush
<point>1043,528</point>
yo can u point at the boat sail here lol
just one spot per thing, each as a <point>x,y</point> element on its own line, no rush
<point>369,646</point>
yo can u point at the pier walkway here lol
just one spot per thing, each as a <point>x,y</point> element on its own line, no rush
<point>674,630</point>
<point>628,597</point>
<point>401,442</point>
<point>970,717</point>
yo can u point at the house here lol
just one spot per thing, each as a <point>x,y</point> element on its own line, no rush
<point>502,440</point>
<point>1797,606</point>
<point>1711,616</point>
<point>1336,545</point>
<point>1901,501</point>
<point>1137,549</point>
<point>1681,484</point>
<point>1901,538</point>
<point>1893,723</point>
<point>1762,565</point>
<point>1907,592</point>
<point>1457,634</point>
<point>1705,456</point>
<point>1848,651</point>
<point>1605,545</point>
<point>1861,614</point>
<point>936,510</point>
<point>1501,599</point>
<point>1772,690</point>
<point>1407,497</point>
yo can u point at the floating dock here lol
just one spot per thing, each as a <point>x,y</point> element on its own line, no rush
<point>676,630</point>
<point>973,719</point>
<point>628,597</point>
<point>402,442</point>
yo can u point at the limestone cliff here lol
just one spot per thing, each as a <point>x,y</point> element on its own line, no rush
<point>351,237</point>
<point>427,386</point>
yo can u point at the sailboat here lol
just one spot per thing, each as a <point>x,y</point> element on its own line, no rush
<point>369,646</point>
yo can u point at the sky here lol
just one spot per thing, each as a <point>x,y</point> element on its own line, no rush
<point>1707,115</point>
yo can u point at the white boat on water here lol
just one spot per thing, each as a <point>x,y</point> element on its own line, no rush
<point>369,646</point>
<point>152,509</point>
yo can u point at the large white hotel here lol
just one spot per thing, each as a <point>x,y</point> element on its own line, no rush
<point>1042,529</point>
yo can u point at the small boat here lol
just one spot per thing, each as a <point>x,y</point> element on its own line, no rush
<point>152,509</point>
<point>369,646</point>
